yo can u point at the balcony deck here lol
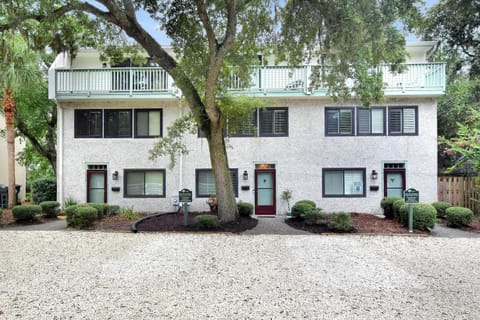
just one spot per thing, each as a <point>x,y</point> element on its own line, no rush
<point>425,79</point>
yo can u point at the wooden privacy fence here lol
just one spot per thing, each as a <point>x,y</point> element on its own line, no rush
<point>460,191</point>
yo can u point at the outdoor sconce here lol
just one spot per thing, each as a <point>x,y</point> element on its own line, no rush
<point>374,175</point>
<point>245,175</point>
<point>115,175</point>
<point>104,65</point>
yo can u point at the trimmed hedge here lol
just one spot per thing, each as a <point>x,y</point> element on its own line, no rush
<point>458,216</point>
<point>102,209</point>
<point>206,221</point>
<point>245,209</point>
<point>302,208</point>
<point>84,216</point>
<point>26,212</point>
<point>113,210</point>
<point>441,206</point>
<point>397,204</point>
<point>424,216</point>
<point>44,190</point>
<point>50,208</point>
<point>340,222</point>
<point>387,206</point>
<point>69,212</point>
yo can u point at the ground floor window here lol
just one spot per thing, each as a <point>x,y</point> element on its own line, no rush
<point>344,182</point>
<point>140,183</point>
<point>205,182</point>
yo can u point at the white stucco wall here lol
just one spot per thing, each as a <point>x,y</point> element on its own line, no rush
<point>299,158</point>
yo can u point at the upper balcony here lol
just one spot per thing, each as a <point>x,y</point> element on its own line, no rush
<point>417,79</point>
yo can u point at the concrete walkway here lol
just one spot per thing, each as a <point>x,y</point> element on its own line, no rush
<point>55,225</point>
<point>274,225</point>
<point>443,231</point>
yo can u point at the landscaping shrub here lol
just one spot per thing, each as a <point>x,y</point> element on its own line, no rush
<point>129,214</point>
<point>1,215</point>
<point>424,216</point>
<point>50,208</point>
<point>314,216</point>
<point>26,212</point>
<point>458,216</point>
<point>102,209</point>
<point>245,209</point>
<point>69,202</point>
<point>441,206</point>
<point>69,212</point>
<point>396,208</point>
<point>113,210</point>
<point>340,222</point>
<point>44,190</point>
<point>302,208</point>
<point>84,216</point>
<point>387,206</point>
<point>206,221</point>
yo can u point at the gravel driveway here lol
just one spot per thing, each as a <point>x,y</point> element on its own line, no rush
<point>89,275</point>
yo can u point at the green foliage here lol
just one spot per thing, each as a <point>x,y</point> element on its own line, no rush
<point>387,206</point>
<point>69,202</point>
<point>50,208</point>
<point>245,208</point>
<point>397,204</point>
<point>102,209</point>
<point>206,221</point>
<point>424,216</point>
<point>129,214</point>
<point>340,222</point>
<point>314,216</point>
<point>84,216</point>
<point>287,196</point>
<point>69,213</point>
<point>458,216</point>
<point>113,210</point>
<point>26,212</point>
<point>441,207</point>
<point>44,190</point>
<point>302,208</point>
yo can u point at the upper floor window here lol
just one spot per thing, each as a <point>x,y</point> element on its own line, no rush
<point>88,123</point>
<point>141,183</point>
<point>371,121</point>
<point>274,122</point>
<point>205,182</point>
<point>118,123</point>
<point>148,123</point>
<point>339,121</point>
<point>402,121</point>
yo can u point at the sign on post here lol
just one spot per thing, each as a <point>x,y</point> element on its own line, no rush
<point>185,195</point>
<point>411,196</point>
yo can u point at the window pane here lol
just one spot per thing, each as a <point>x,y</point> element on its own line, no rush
<point>332,121</point>
<point>88,123</point>
<point>364,121</point>
<point>377,121</point>
<point>353,182</point>
<point>206,183</point>
<point>395,121</point>
<point>409,120</point>
<point>266,121</point>
<point>154,183</point>
<point>154,123</point>
<point>135,183</point>
<point>333,182</point>
<point>142,123</point>
<point>118,123</point>
<point>280,122</point>
<point>345,122</point>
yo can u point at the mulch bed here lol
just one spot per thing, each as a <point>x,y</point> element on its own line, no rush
<point>362,224</point>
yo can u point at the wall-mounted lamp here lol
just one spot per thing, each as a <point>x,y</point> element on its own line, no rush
<point>245,175</point>
<point>104,65</point>
<point>374,175</point>
<point>115,175</point>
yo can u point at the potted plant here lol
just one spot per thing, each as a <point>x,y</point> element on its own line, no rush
<point>287,196</point>
<point>212,203</point>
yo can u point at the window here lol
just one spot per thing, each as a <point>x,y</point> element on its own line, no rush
<point>274,122</point>
<point>141,183</point>
<point>371,121</point>
<point>402,121</point>
<point>205,182</point>
<point>88,123</point>
<point>118,123</point>
<point>343,182</point>
<point>148,123</point>
<point>248,128</point>
<point>339,121</point>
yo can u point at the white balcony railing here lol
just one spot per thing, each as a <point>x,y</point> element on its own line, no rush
<point>274,80</point>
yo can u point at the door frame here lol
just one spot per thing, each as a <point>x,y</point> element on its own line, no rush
<point>105,189</point>
<point>266,210</point>
<point>386,171</point>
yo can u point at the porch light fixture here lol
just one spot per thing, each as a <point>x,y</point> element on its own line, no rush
<point>245,175</point>
<point>115,175</point>
<point>374,175</point>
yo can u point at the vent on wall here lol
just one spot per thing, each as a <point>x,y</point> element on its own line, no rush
<point>394,165</point>
<point>97,167</point>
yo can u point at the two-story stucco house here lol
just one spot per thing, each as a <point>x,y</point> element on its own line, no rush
<point>341,155</point>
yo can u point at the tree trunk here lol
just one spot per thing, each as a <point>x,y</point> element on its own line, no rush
<point>227,206</point>
<point>9,109</point>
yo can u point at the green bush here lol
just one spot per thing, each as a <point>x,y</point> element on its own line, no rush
<point>458,216</point>
<point>387,206</point>
<point>25,213</point>
<point>44,190</point>
<point>396,208</point>
<point>245,209</point>
<point>340,222</point>
<point>113,210</point>
<point>69,213</point>
<point>314,216</point>
<point>84,216</point>
<point>206,221</point>
<point>129,214</point>
<point>69,202</point>
<point>50,208</point>
<point>102,209</point>
<point>441,206</point>
<point>424,216</point>
<point>302,208</point>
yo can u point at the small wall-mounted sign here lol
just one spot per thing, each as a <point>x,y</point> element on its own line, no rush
<point>374,188</point>
<point>245,188</point>
<point>116,189</point>
<point>412,196</point>
<point>185,195</point>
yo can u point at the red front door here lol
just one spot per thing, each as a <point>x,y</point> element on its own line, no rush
<point>265,193</point>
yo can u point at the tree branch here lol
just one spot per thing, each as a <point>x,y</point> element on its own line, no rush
<point>202,13</point>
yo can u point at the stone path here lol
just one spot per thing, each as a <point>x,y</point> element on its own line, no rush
<point>446,232</point>
<point>56,225</point>
<point>274,225</point>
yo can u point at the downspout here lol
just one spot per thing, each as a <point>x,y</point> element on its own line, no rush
<point>180,170</point>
